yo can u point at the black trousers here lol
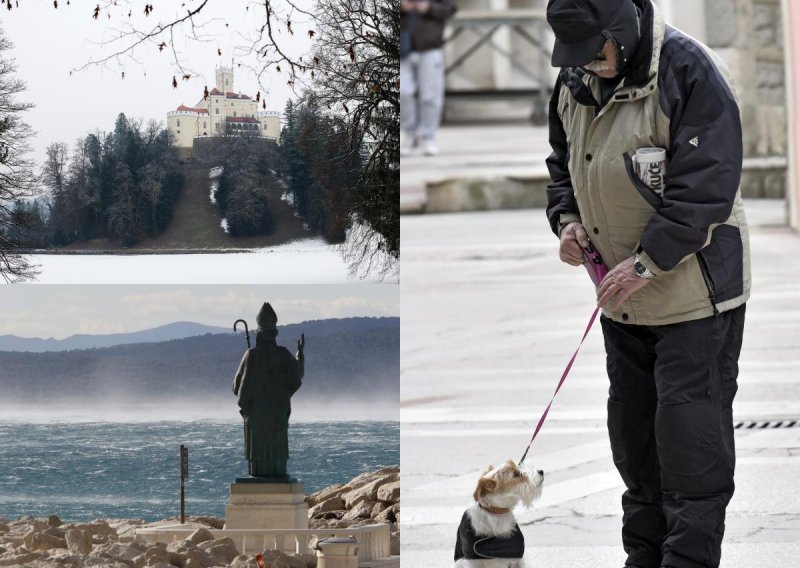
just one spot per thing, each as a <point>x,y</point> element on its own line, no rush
<point>671,429</point>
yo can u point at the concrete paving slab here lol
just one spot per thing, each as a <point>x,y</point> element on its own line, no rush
<point>490,318</point>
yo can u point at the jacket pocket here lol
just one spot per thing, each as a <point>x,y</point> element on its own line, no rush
<point>648,194</point>
<point>723,261</point>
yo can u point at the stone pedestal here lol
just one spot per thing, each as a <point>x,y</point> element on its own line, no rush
<point>266,505</point>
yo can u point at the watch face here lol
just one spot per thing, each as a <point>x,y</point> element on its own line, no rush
<point>639,268</point>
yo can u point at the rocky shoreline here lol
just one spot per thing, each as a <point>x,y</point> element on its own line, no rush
<point>370,498</point>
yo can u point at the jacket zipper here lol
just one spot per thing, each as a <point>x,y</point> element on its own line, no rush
<point>709,282</point>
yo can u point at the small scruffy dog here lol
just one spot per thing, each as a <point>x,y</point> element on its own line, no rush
<point>488,536</point>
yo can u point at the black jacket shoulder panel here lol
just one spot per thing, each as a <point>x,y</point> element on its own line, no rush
<point>686,70</point>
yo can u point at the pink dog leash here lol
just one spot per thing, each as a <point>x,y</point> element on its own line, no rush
<point>560,383</point>
<point>597,271</point>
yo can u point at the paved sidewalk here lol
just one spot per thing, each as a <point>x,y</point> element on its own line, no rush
<point>490,318</point>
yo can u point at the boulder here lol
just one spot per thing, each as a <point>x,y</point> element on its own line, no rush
<point>15,541</point>
<point>213,522</point>
<point>100,562</point>
<point>200,535</point>
<point>389,493</point>
<point>377,509</point>
<point>222,549</point>
<point>369,476</point>
<point>54,521</point>
<point>28,524</point>
<point>278,559</point>
<point>332,504</point>
<point>43,541</point>
<point>18,559</point>
<point>360,511</point>
<point>125,527</point>
<point>386,516</point>
<point>368,491</point>
<point>54,531</point>
<point>124,553</point>
<point>152,556</point>
<point>4,528</point>
<point>244,561</point>
<point>327,493</point>
<point>155,554</point>
<point>99,529</point>
<point>79,541</point>
<point>182,552</point>
<point>65,559</point>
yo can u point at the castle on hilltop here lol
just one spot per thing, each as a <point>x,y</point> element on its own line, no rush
<point>223,113</point>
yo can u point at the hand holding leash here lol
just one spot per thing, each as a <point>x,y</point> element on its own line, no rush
<point>619,284</point>
<point>573,240</point>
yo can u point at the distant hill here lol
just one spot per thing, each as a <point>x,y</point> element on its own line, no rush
<point>179,330</point>
<point>349,358</point>
<point>176,330</point>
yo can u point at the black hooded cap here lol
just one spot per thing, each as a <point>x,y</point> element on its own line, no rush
<point>581,28</point>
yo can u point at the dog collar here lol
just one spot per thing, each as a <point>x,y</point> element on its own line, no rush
<point>493,510</point>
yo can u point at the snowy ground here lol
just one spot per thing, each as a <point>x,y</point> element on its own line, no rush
<point>310,261</point>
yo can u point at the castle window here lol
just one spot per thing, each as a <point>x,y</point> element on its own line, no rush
<point>179,131</point>
<point>234,113</point>
<point>204,124</point>
<point>179,123</point>
<point>217,111</point>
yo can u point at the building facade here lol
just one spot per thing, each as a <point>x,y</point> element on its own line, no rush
<point>223,113</point>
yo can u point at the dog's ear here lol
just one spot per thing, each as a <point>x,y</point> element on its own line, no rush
<point>485,485</point>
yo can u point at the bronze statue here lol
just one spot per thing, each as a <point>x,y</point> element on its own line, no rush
<point>267,378</point>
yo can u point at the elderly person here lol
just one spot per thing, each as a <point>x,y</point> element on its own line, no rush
<point>674,298</point>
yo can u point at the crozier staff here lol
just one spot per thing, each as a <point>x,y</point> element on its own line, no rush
<point>267,378</point>
<point>674,298</point>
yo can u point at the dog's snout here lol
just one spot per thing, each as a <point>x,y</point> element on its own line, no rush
<point>540,472</point>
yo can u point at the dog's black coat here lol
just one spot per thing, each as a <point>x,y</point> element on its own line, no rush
<point>474,547</point>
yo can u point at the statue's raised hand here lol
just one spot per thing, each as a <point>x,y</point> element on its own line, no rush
<point>301,343</point>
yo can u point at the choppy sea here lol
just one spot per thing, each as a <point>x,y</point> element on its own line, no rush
<point>85,471</point>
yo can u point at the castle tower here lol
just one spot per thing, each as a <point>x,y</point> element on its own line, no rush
<point>225,79</point>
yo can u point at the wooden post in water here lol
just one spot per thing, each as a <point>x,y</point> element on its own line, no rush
<point>184,475</point>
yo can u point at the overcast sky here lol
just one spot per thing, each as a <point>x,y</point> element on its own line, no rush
<point>49,43</point>
<point>61,311</point>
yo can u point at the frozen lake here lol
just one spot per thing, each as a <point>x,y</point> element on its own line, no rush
<point>310,261</point>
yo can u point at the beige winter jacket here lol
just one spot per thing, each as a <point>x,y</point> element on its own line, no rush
<point>676,95</point>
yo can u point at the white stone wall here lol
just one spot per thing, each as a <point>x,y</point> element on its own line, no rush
<point>270,124</point>
<point>184,126</point>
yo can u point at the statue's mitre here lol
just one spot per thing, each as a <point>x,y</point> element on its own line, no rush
<point>267,318</point>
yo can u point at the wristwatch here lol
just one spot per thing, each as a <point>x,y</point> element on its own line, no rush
<point>641,270</point>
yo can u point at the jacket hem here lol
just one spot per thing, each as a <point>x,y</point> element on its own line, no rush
<point>700,313</point>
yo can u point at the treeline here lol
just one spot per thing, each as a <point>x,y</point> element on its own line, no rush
<point>246,187</point>
<point>119,185</point>
<point>321,170</point>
